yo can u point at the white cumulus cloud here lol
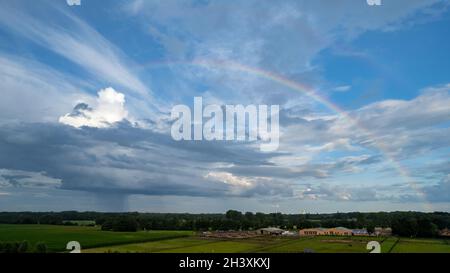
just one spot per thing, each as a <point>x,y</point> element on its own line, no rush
<point>230,179</point>
<point>108,109</point>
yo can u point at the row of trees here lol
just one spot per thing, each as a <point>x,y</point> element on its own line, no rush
<point>411,224</point>
<point>22,247</point>
<point>415,227</point>
<point>121,223</point>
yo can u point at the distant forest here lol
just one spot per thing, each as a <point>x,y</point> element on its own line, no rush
<point>410,224</point>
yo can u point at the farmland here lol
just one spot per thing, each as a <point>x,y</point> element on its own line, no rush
<point>280,245</point>
<point>422,246</point>
<point>56,237</point>
<point>93,240</point>
<point>263,245</point>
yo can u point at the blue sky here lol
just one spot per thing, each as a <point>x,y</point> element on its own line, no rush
<point>87,92</point>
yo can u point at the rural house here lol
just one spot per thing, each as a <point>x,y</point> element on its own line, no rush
<point>379,231</point>
<point>270,231</point>
<point>444,232</point>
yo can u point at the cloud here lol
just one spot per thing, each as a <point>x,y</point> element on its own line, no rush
<point>109,109</point>
<point>342,88</point>
<point>439,192</point>
<point>303,170</point>
<point>73,2</point>
<point>124,160</point>
<point>76,41</point>
<point>252,32</point>
<point>20,179</point>
<point>267,35</point>
<point>103,153</point>
<point>338,144</point>
<point>248,186</point>
<point>401,129</point>
<point>26,88</point>
<point>340,193</point>
<point>230,179</point>
<point>428,109</point>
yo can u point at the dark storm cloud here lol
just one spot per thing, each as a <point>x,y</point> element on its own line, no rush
<point>125,160</point>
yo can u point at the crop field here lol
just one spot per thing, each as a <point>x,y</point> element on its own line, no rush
<point>324,245</point>
<point>56,237</point>
<point>280,245</point>
<point>93,240</point>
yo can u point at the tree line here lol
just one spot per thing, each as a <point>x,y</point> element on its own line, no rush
<point>410,224</point>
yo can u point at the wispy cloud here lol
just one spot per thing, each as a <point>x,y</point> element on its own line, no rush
<point>75,40</point>
<point>26,88</point>
<point>343,88</point>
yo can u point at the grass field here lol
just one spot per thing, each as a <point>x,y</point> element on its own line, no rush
<point>56,237</point>
<point>421,246</point>
<point>281,245</point>
<point>94,240</point>
<point>196,245</point>
<point>324,245</point>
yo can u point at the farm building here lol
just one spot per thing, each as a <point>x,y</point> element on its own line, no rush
<point>379,231</point>
<point>338,231</point>
<point>444,232</point>
<point>360,232</point>
<point>289,233</point>
<point>312,232</point>
<point>270,231</point>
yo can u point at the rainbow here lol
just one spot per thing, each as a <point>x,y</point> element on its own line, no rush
<point>309,92</point>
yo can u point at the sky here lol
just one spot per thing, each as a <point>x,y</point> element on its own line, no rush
<point>87,88</point>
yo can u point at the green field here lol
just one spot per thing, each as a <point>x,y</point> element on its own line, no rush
<point>196,245</point>
<point>422,246</point>
<point>324,245</point>
<point>56,237</point>
<point>93,240</point>
<point>280,245</point>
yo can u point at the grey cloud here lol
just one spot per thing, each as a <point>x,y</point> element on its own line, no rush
<point>308,170</point>
<point>400,129</point>
<point>436,193</point>
<point>20,179</point>
<point>348,193</point>
<point>428,109</point>
<point>397,193</point>
<point>439,192</point>
<point>125,160</point>
<point>339,193</point>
